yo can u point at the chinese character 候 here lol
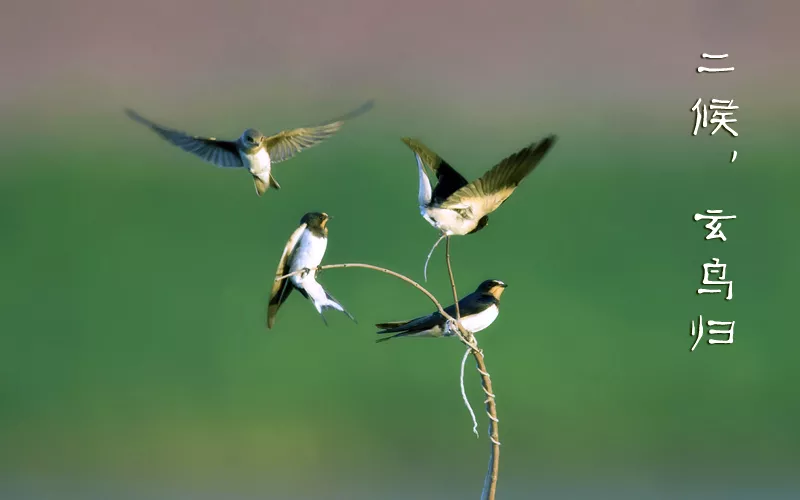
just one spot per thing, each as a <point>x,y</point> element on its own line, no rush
<point>720,117</point>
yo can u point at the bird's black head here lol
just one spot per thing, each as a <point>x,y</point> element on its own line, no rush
<point>482,222</point>
<point>316,222</point>
<point>494,288</point>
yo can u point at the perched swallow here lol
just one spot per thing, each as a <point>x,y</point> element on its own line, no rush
<point>253,150</point>
<point>304,250</point>
<point>478,310</point>
<point>458,207</point>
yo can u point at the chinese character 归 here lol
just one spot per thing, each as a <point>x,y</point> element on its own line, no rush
<point>697,331</point>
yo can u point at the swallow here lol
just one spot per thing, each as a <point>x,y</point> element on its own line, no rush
<point>478,310</point>
<point>458,207</point>
<point>304,250</point>
<point>253,150</point>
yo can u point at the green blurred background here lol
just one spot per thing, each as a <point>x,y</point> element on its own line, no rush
<point>134,357</point>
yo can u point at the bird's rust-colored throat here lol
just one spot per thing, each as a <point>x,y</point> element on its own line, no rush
<point>496,291</point>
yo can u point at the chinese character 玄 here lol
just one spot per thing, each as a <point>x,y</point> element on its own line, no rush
<point>714,226</point>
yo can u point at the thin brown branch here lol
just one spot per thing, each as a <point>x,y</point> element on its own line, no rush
<point>465,335</point>
<point>452,280</point>
<point>382,270</point>
<point>490,482</point>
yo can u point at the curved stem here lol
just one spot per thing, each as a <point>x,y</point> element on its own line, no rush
<point>466,336</point>
<point>428,258</point>
<point>452,280</point>
<point>382,270</point>
<point>464,394</point>
<point>490,482</point>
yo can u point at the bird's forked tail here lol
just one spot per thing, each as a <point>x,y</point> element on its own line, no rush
<point>322,300</point>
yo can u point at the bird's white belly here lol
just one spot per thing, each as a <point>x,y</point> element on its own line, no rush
<point>258,163</point>
<point>483,319</point>
<point>307,254</point>
<point>449,221</point>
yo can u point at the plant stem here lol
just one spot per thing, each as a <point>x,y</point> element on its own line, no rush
<point>379,269</point>
<point>490,482</point>
<point>452,280</point>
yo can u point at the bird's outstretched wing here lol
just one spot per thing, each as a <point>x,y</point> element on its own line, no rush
<point>448,179</point>
<point>288,143</point>
<point>281,289</point>
<point>483,196</point>
<point>209,149</point>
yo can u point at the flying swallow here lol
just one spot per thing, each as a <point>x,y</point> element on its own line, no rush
<point>304,250</point>
<point>458,207</point>
<point>253,150</point>
<point>478,310</point>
